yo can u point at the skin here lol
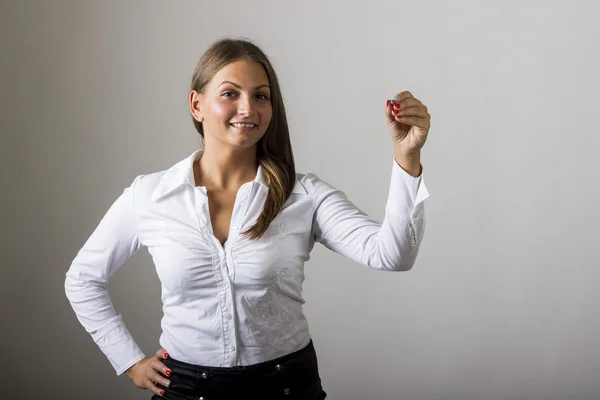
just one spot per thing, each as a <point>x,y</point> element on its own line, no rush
<point>408,122</point>
<point>239,92</point>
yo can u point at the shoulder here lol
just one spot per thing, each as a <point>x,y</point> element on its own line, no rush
<point>145,186</point>
<point>313,184</point>
<point>148,182</point>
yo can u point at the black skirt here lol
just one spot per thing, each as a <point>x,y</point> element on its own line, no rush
<point>294,376</point>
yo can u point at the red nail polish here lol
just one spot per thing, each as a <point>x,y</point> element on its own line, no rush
<point>166,355</point>
<point>168,373</point>
<point>387,103</point>
<point>162,392</point>
<point>396,105</point>
<point>395,111</point>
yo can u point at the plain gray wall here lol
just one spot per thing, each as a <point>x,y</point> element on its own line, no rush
<point>502,302</point>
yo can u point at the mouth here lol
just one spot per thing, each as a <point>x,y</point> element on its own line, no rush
<point>243,125</point>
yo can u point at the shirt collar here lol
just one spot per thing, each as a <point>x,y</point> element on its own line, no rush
<point>182,174</point>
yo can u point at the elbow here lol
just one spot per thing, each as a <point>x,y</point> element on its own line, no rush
<point>80,287</point>
<point>69,286</point>
<point>400,263</point>
<point>402,266</point>
<point>75,286</point>
<point>407,262</point>
<point>405,266</point>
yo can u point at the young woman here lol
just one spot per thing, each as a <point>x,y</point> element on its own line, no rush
<point>229,229</point>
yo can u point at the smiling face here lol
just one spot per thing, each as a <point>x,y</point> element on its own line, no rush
<point>235,105</point>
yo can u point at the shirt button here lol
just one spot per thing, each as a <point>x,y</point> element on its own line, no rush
<point>204,375</point>
<point>287,391</point>
<point>232,348</point>
<point>278,367</point>
<point>229,316</point>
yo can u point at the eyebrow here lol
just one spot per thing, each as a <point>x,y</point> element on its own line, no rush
<point>239,87</point>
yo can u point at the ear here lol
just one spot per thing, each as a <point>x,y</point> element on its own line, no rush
<point>195,102</point>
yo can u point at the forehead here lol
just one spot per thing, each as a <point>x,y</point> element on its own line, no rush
<point>242,72</point>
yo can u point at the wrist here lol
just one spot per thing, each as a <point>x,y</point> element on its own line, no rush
<point>130,371</point>
<point>409,162</point>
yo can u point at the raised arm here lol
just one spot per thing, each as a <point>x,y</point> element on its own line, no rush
<point>392,244</point>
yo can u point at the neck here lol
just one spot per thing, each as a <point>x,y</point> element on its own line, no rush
<point>225,169</point>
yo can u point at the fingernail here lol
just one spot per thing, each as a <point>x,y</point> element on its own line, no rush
<point>168,373</point>
<point>166,355</point>
<point>162,392</point>
<point>396,105</point>
<point>395,111</point>
<point>387,103</point>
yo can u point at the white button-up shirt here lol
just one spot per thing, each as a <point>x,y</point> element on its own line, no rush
<point>240,303</point>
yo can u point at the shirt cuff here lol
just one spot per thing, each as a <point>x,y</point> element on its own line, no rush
<point>119,347</point>
<point>406,192</point>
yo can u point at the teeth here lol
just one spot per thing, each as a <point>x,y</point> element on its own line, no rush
<point>243,125</point>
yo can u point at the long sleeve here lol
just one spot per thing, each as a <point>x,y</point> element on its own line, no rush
<point>389,245</point>
<point>113,241</point>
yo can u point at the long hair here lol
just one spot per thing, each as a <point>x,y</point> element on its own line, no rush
<point>274,149</point>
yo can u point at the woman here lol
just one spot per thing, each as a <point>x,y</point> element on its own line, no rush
<point>229,229</point>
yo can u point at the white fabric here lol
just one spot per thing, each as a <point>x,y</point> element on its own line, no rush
<point>240,303</point>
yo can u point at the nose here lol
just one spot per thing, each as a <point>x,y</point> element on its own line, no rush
<point>245,106</point>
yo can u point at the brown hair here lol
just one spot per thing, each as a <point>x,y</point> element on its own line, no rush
<point>274,149</point>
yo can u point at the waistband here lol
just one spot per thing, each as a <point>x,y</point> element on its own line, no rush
<point>307,354</point>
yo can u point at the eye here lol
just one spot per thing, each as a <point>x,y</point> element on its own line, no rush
<point>229,94</point>
<point>262,96</point>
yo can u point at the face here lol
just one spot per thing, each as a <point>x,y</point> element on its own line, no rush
<point>235,104</point>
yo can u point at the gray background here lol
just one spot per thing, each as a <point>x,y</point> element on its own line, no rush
<point>502,302</point>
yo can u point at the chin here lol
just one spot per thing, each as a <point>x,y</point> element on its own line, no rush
<point>245,140</point>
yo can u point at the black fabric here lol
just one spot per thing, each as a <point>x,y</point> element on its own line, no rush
<point>294,376</point>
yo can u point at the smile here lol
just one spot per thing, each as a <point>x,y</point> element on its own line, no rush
<point>243,125</point>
